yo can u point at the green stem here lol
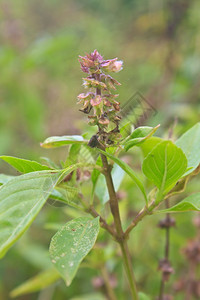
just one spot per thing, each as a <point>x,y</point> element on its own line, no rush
<point>113,198</point>
<point>128,268</point>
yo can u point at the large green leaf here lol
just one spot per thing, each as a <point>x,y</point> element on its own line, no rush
<point>189,142</point>
<point>58,141</point>
<point>67,195</point>
<point>21,199</point>
<point>191,203</point>
<point>24,165</point>
<point>37,283</point>
<point>139,135</point>
<point>164,165</point>
<point>71,244</point>
<point>128,170</point>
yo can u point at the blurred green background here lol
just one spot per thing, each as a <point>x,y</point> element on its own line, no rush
<point>40,41</point>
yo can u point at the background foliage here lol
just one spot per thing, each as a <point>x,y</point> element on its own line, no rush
<point>40,78</point>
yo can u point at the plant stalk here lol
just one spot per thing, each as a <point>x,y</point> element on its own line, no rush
<point>113,198</point>
<point>128,268</point>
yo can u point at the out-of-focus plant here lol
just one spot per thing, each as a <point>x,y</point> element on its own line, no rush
<point>168,165</point>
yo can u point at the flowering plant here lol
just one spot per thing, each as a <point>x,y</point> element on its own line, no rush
<point>167,165</point>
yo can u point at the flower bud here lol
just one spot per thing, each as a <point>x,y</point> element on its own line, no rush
<point>112,65</point>
<point>116,66</point>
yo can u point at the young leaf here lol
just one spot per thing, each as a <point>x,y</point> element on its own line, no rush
<point>191,203</point>
<point>24,165</point>
<point>189,142</point>
<point>21,199</point>
<point>58,141</point>
<point>139,135</point>
<point>71,244</point>
<point>128,171</point>
<point>164,165</point>
<point>37,283</point>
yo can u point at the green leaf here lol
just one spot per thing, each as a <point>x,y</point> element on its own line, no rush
<point>37,283</point>
<point>58,141</point>
<point>71,244</point>
<point>164,165</point>
<point>191,203</point>
<point>21,199</point>
<point>139,135</point>
<point>128,171</point>
<point>101,187</point>
<point>5,178</point>
<point>189,142</point>
<point>24,165</point>
<point>148,145</point>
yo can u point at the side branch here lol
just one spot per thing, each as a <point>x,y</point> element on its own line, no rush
<point>144,212</point>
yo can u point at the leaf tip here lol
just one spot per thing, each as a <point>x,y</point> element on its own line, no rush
<point>68,282</point>
<point>44,145</point>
